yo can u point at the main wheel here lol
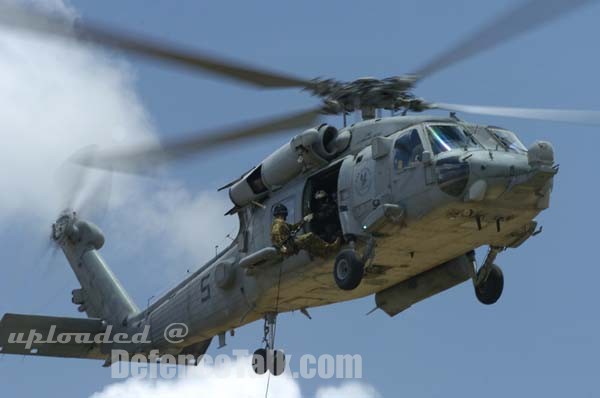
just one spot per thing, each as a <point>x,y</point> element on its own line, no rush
<point>275,362</point>
<point>259,361</point>
<point>490,290</point>
<point>348,270</point>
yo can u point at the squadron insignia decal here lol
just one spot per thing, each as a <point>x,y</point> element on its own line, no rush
<point>362,181</point>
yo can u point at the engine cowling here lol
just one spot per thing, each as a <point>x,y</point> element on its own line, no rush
<point>308,150</point>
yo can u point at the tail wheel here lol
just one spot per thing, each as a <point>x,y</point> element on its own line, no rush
<point>489,290</point>
<point>348,270</point>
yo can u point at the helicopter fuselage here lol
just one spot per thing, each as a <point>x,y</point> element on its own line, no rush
<point>418,209</point>
<point>413,195</point>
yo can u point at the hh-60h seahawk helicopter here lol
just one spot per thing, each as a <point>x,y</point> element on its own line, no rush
<point>413,195</point>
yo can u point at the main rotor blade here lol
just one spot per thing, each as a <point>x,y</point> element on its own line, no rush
<point>139,160</point>
<point>553,115</point>
<point>36,21</point>
<point>525,17</point>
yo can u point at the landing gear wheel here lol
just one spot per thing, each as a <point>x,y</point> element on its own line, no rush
<point>348,270</point>
<point>259,361</point>
<point>489,290</point>
<point>275,362</point>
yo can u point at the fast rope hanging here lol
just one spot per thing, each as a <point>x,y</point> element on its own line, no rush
<point>271,331</point>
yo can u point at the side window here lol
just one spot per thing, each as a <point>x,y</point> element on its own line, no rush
<point>408,149</point>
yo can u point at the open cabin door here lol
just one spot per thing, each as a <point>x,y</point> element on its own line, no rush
<point>320,198</point>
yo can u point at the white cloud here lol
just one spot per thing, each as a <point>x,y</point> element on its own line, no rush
<point>348,390</point>
<point>224,381</point>
<point>187,226</point>
<point>57,97</point>
<point>230,379</point>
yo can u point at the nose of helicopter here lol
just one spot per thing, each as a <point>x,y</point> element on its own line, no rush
<point>491,173</point>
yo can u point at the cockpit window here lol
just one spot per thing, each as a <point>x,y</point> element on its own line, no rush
<point>445,137</point>
<point>408,149</point>
<point>508,139</point>
<point>485,138</point>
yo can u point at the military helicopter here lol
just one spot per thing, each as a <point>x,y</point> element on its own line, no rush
<point>413,196</point>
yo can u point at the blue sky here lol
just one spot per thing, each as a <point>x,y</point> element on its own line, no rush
<point>539,339</point>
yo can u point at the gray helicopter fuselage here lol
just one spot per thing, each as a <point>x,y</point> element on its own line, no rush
<point>421,214</point>
<point>413,195</point>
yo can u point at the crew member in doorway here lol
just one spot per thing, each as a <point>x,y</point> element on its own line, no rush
<point>326,214</point>
<point>284,238</point>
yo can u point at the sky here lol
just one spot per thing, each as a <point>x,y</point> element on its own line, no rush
<point>539,339</point>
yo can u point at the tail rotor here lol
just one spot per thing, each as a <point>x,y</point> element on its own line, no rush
<point>85,193</point>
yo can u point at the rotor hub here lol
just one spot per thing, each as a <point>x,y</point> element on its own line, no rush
<point>366,94</point>
<point>61,226</point>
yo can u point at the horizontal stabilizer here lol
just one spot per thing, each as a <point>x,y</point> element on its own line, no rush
<point>47,336</point>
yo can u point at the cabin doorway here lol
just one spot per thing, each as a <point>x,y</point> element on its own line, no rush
<point>320,199</point>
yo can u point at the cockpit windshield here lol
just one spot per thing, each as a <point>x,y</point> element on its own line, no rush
<point>508,139</point>
<point>445,137</point>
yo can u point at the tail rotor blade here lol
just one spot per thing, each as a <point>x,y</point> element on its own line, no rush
<point>85,191</point>
<point>48,257</point>
<point>70,180</point>
<point>96,202</point>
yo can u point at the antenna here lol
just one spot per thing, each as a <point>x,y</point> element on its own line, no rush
<point>148,301</point>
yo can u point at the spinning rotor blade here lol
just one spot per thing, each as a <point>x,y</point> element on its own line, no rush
<point>139,160</point>
<point>82,192</point>
<point>526,17</point>
<point>70,181</point>
<point>36,21</point>
<point>95,203</point>
<point>90,199</point>
<point>552,115</point>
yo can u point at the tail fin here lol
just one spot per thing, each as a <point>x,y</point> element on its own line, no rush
<point>101,294</point>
